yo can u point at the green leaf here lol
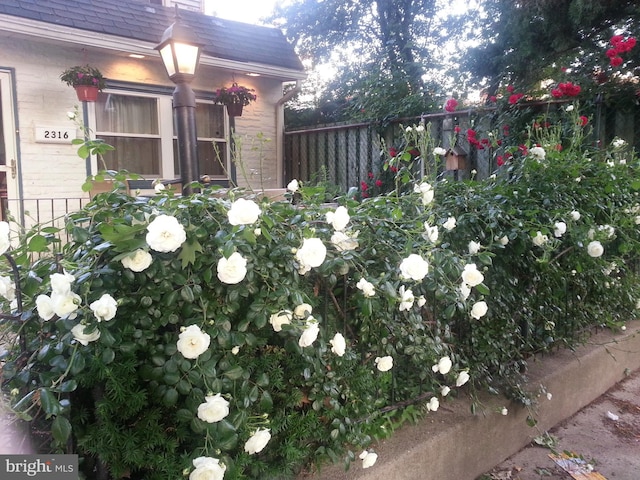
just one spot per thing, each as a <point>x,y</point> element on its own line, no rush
<point>61,429</point>
<point>49,402</point>
<point>188,253</point>
<point>483,289</point>
<point>37,243</point>
<point>234,373</point>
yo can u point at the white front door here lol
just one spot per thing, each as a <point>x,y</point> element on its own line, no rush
<point>9,193</point>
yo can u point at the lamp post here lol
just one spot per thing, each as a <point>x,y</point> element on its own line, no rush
<point>180,52</point>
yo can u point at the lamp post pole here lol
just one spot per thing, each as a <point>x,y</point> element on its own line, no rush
<point>184,106</point>
<point>180,53</point>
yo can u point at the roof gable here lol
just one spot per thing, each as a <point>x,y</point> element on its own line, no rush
<point>139,20</point>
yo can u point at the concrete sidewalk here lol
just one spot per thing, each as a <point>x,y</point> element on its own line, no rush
<point>453,444</point>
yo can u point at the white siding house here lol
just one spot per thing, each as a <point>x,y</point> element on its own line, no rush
<point>41,38</point>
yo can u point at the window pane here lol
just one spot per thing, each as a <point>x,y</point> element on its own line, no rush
<point>126,114</point>
<point>137,155</point>
<point>210,120</point>
<point>208,161</point>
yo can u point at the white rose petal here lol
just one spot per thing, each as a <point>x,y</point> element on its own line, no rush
<point>367,288</point>
<point>474,247</point>
<point>464,291</point>
<point>463,377</point>
<point>258,441</point>
<point>309,334</point>
<point>560,229</point>
<point>312,253</point>
<point>232,270</point>
<point>445,391</point>
<point>479,310</point>
<point>7,288</point>
<point>61,283</point>
<point>293,186</point>
<point>277,320</point>
<point>302,311</point>
<point>504,411</point>
<point>104,308</point>
<point>344,242</point>
<point>575,215</point>
<point>368,459</point>
<point>471,275</point>
<point>138,261</point>
<point>243,212</point>
<point>414,267</point>
<point>433,404</point>
<point>165,234</point>
<point>595,249</point>
<point>338,344</point>
<point>4,237</point>
<point>338,219</point>
<point>406,299</point>
<point>84,338</point>
<point>537,152</point>
<point>214,409</point>
<point>384,363</point>
<point>65,305</point>
<point>439,151</point>
<point>443,366</point>
<point>44,306</point>
<point>450,224</point>
<point>193,342</point>
<point>207,468</point>
<point>431,232</point>
<point>540,239</point>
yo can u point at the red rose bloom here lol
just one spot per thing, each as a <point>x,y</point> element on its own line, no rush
<point>612,53</point>
<point>500,160</point>
<point>616,61</point>
<point>511,89</point>
<point>393,152</point>
<point>493,98</point>
<point>364,186</point>
<point>378,183</point>
<point>456,129</point>
<point>615,39</point>
<point>451,105</point>
<point>583,120</point>
<point>559,147</point>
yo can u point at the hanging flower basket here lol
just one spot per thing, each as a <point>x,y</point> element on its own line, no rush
<point>234,109</point>
<point>87,93</point>
<point>234,97</point>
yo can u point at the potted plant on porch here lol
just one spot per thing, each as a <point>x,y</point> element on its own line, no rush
<point>234,97</point>
<point>86,80</point>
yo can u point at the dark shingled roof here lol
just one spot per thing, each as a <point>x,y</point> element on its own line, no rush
<point>138,19</point>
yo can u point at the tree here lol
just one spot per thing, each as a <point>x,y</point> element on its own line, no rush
<point>382,48</point>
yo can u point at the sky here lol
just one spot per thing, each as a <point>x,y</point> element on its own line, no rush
<point>247,11</point>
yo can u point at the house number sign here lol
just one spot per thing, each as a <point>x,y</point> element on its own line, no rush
<point>55,134</point>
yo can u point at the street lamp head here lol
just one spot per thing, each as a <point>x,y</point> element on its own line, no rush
<point>180,51</point>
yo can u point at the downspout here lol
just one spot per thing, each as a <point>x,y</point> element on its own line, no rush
<point>280,131</point>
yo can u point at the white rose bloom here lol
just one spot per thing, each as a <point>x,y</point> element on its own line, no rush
<point>618,143</point>
<point>504,411</point>
<point>474,247</point>
<point>444,391</point>
<point>549,395</point>
<point>104,308</point>
<point>463,377</point>
<point>165,234</point>
<point>84,338</point>
<point>471,275</point>
<point>420,128</point>
<point>450,224</point>
<point>7,288</point>
<point>232,270</point>
<point>569,108</point>
<point>540,239</point>
<point>214,409</point>
<point>243,212</point>
<point>384,364</point>
<point>560,229</point>
<point>464,291</point>
<point>637,220</point>
<point>65,305</point>
<point>538,153</point>
<point>408,129</point>
<point>277,320</point>
<point>4,237</point>
<point>338,344</point>
<point>138,261</point>
<point>414,267</point>
<point>293,186</point>
<point>309,334</point>
<point>193,342</point>
<point>426,191</point>
<point>595,249</point>
<point>61,283</point>
<point>207,468</point>
<point>367,288</point>
<point>504,240</point>
<point>159,187</point>
<point>257,441</point>
<point>44,306</point>
<point>302,311</point>
<point>439,151</point>
<point>479,310</point>
<point>344,242</point>
<point>368,459</point>
<point>575,215</point>
<point>433,404</point>
<point>406,299</point>
<point>235,350</point>
<point>421,301</point>
<point>338,219</point>
<point>431,233</point>
<point>443,366</point>
<point>312,252</point>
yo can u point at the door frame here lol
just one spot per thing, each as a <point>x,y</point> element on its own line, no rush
<point>12,167</point>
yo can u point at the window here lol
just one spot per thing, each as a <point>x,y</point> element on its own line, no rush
<point>140,128</point>
<point>130,124</point>
<point>211,144</point>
